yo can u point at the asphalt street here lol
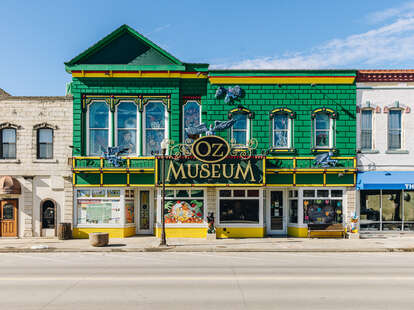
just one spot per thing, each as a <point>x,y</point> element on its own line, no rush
<point>206,281</point>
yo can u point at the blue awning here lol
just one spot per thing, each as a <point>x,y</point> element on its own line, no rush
<point>385,180</point>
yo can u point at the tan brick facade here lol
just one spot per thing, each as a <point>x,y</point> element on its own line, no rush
<point>40,179</point>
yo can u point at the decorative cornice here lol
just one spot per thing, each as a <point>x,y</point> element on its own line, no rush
<point>385,76</point>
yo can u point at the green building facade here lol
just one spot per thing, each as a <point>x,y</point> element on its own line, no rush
<point>290,137</point>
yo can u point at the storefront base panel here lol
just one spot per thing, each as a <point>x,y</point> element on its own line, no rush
<point>301,232</point>
<point>180,232</point>
<point>240,232</point>
<point>83,233</point>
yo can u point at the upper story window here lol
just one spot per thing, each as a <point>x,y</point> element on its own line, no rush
<point>191,116</point>
<point>282,119</point>
<point>323,131</point>
<point>394,130</point>
<point>154,127</point>
<point>44,143</point>
<point>126,120</point>
<point>8,143</point>
<point>366,129</point>
<point>239,132</point>
<point>98,129</point>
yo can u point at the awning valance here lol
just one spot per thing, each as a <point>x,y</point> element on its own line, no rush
<point>9,185</point>
<point>385,180</point>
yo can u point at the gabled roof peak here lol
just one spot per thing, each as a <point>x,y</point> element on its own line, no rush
<point>124,46</point>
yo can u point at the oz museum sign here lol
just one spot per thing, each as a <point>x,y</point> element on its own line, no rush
<point>210,164</point>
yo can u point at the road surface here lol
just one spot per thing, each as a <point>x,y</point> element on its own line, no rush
<point>206,281</point>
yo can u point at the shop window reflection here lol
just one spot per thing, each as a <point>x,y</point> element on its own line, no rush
<point>391,210</point>
<point>370,210</point>
<point>409,210</point>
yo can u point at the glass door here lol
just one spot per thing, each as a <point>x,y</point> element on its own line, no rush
<point>144,212</point>
<point>276,213</point>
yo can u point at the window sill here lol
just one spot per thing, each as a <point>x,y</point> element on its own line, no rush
<point>324,150</point>
<point>396,152</point>
<point>10,161</point>
<point>283,150</point>
<point>45,161</point>
<point>369,152</point>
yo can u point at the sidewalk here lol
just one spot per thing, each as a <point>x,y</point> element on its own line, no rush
<point>150,244</point>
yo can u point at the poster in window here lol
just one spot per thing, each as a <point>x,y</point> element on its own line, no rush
<point>184,211</point>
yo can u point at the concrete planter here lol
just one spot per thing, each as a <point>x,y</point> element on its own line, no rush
<point>99,239</point>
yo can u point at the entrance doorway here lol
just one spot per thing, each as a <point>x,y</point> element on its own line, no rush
<point>8,218</point>
<point>276,213</point>
<point>48,218</point>
<point>144,223</point>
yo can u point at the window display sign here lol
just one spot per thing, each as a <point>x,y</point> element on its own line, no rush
<point>184,211</point>
<point>99,211</point>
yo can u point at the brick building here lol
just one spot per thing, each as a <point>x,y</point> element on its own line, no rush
<point>35,184</point>
<point>289,137</point>
<point>385,160</point>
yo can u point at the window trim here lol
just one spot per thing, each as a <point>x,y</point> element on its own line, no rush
<point>88,129</point>
<point>137,133</point>
<point>332,126</point>
<point>289,138</point>
<point>249,116</point>
<point>261,199</point>
<point>38,143</point>
<point>372,129</point>
<point>401,110</point>
<point>187,101</point>
<point>144,125</point>
<point>15,143</point>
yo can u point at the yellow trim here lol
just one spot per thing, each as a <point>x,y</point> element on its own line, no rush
<point>281,80</point>
<point>122,232</point>
<point>324,179</point>
<point>213,185</point>
<point>329,170</point>
<point>301,232</point>
<point>141,74</point>
<point>240,232</point>
<point>182,232</point>
<point>280,185</point>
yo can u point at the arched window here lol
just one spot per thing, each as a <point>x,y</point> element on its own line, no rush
<point>239,131</point>
<point>98,122</point>
<point>191,116</point>
<point>127,126</point>
<point>44,143</point>
<point>323,128</point>
<point>8,143</point>
<point>154,127</point>
<point>282,119</point>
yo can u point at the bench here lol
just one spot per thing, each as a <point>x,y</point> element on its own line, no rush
<point>326,231</point>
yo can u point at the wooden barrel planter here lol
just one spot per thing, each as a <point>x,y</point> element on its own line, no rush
<point>99,239</point>
<point>64,231</point>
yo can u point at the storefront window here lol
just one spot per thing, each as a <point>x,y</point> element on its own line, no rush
<point>184,208</point>
<point>391,210</point>
<point>127,126</point>
<point>322,208</point>
<point>370,210</point>
<point>293,206</point>
<point>408,210</point>
<point>98,207</point>
<point>129,206</point>
<point>235,207</point>
<point>154,127</point>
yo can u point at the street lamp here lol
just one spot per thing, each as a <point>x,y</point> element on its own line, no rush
<point>164,146</point>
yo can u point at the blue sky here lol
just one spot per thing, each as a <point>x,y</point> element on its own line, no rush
<point>36,37</point>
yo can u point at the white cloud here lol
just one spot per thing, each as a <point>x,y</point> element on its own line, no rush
<point>388,45</point>
<point>402,10</point>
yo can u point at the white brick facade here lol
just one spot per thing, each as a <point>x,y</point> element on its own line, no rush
<point>381,97</point>
<point>40,179</point>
